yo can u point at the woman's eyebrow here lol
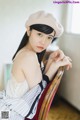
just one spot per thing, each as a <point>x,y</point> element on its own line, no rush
<point>51,35</point>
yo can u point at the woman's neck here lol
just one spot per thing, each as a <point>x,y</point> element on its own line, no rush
<point>28,47</point>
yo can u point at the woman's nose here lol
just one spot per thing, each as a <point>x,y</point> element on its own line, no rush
<point>43,41</point>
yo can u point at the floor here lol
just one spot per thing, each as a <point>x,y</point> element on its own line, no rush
<point>61,110</point>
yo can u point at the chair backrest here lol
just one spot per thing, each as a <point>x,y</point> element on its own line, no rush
<point>51,91</point>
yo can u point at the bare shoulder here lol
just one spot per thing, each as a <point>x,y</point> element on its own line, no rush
<point>29,55</point>
<point>24,57</point>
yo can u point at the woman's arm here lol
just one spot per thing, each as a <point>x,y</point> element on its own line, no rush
<point>31,69</point>
<point>54,56</point>
<point>55,65</point>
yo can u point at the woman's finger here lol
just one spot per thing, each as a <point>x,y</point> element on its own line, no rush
<point>68,66</point>
<point>69,59</point>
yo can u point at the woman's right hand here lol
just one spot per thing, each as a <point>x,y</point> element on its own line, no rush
<point>66,61</point>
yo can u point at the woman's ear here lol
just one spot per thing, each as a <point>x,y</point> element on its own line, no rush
<point>28,31</point>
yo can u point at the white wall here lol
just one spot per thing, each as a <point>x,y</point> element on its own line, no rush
<point>70,84</point>
<point>13,15</point>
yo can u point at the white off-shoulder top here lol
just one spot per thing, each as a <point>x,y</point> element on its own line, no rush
<point>16,89</point>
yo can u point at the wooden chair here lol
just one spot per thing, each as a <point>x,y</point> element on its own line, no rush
<point>47,97</point>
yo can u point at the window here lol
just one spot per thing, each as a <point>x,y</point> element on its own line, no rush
<point>74,19</point>
<point>75,24</point>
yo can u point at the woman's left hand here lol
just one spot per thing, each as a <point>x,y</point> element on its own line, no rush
<point>57,55</point>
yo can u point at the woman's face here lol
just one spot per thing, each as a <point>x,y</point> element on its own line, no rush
<point>39,41</point>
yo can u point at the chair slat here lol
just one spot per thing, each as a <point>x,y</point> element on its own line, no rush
<point>50,94</point>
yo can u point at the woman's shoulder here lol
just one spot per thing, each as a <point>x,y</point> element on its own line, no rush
<point>30,60</point>
<point>24,55</point>
<point>29,55</point>
<point>26,58</point>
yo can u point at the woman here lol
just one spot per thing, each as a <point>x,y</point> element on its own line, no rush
<point>28,79</point>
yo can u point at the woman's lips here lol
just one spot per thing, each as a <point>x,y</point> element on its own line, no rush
<point>40,47</point>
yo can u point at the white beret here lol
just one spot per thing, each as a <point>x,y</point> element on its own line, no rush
<point>41,17</point>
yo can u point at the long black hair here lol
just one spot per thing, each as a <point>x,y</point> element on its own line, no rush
<point>39,27</point>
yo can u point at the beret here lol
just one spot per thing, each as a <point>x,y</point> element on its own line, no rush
<point>41,17</point>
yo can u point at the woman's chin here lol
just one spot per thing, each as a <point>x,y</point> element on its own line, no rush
<point>39,51</point>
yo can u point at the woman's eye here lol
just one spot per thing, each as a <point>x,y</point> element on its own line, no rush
<point>50,38</point>
<point>39,34</point>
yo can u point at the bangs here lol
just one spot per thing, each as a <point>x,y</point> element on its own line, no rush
<point>42,28</point>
